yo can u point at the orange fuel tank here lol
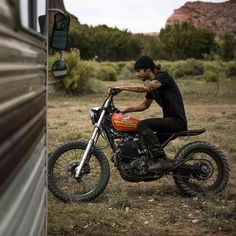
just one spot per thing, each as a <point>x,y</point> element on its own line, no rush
<point>122,122</point>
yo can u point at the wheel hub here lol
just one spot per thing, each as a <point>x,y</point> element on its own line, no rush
<point>72,170</point>
<point>203,170</point>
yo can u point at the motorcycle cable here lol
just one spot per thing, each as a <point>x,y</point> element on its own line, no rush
<point>102,147</point>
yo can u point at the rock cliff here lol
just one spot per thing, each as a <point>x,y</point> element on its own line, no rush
<point>220,17</point>
<point>59,4</point>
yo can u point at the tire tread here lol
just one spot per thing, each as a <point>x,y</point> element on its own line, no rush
<point>181,184</point>
<point>104,179</point>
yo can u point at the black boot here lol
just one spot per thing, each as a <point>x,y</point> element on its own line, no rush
<point>159,162</point>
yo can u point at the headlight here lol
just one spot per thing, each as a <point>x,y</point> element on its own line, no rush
<point>94,115</point>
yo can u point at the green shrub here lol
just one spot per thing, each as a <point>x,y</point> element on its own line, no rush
<point>127,70</point>
<point>231,69</point>
<point>167,66</point>
<point>111,64</point>
<point>189,67</point>
<point>179,72</point>
<point>130,66</point>
<point>71,81</point>
<point>79,74</point>
<point>121,65</point>
<point>210,77</point>
<point>194,67</point>
<point>214,66</point>
<point>106,72</point>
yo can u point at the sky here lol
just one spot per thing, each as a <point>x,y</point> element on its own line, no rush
<point>137,16</point>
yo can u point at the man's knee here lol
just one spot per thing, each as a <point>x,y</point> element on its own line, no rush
<point>142,125</point>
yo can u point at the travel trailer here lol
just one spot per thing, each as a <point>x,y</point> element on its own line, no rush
<point>23,101</point>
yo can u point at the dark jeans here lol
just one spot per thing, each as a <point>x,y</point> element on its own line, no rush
<point>162,125</point>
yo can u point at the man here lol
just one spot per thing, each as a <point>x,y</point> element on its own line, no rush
<point>161,87</point>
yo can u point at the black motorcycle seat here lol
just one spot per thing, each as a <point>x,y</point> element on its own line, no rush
<point>192,132</point>
<point>165,138</point>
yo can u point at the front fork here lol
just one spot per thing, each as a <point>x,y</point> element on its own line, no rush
<point>93,140</point>
<point>91,143</point>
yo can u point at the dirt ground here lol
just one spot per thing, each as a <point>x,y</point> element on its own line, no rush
<point>153,208</point>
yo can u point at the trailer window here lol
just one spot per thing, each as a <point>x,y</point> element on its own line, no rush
<point>24,13</point>
<point>30,10</point>
<point>41,10</point>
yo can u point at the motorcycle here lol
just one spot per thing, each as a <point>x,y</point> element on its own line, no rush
<point>79,170</point>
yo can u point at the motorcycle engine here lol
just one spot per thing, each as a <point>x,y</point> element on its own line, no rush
<point>132,158</point>
<point>129,150</point>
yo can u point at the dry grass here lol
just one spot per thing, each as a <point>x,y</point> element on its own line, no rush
<point>154,208</point>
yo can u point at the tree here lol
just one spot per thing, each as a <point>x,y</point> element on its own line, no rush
<point>104,43</point>
<point>228,46</point>
<point>182,41</point>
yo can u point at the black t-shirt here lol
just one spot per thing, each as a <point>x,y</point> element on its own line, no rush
<point>169,98</point>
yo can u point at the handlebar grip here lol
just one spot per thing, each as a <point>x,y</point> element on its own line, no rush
<point>115,91</point>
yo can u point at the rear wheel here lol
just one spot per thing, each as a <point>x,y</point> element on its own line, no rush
<point>206,169</point>
<point>92,181</point>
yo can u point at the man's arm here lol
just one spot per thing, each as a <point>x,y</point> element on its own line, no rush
<point>147,87</point>
<point>141,107</point>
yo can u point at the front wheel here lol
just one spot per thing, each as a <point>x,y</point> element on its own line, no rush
<point>94,175</point>
<point>206,169</point>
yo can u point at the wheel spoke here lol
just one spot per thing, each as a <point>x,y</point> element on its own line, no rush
<point>92,180</point>
<point>198,179</point>
<point>64,177</point>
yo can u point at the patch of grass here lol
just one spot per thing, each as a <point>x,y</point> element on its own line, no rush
<point>119,200</point>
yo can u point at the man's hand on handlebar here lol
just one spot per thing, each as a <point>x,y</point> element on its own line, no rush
<point>114,90</point>
<point>116,110</point>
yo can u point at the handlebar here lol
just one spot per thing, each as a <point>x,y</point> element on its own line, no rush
<point>114,91</point>
<point>116,110</point>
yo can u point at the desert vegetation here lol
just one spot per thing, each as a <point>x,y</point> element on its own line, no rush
<point>86,75</point>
